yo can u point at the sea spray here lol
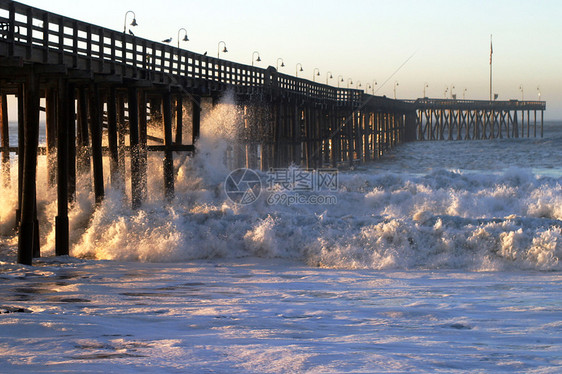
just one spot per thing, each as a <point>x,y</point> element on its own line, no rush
<point>402,212</point>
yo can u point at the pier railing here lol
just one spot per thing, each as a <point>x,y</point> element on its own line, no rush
<point>44,37</point>
<point>432,103</point>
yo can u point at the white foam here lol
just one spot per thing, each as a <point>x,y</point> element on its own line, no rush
<point>385,217</point>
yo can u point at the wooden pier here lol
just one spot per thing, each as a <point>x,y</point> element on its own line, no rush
<point>441,119</point>
<point>103,91</point>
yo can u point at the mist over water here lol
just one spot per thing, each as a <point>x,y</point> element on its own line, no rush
<point>473,205</point>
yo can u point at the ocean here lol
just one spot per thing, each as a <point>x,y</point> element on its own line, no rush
<point>444,256</point>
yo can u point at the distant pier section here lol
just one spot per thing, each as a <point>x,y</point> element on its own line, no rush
<point>444,119</point>
<point>110,96</point>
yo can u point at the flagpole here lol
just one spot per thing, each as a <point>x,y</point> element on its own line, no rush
<point>491,52</point>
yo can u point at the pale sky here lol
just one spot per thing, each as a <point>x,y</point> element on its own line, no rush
<point>366,40</point>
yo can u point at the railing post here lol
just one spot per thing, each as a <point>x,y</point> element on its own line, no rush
<point>12,28</point>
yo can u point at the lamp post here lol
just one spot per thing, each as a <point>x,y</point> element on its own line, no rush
<point>297,69</point>
<point>445,93</point>
<point>282,63</point>
<point>133,23</point>
<point>374,84</point>
<point>340,79</point>
<point>358,84</point>
<point>258,59</point>
<point>464,94</point>
<point>539,92</point>
<point>425,85</point>
<point>328,76</point>
<point>395,85</point>
<point>185,38</point>
<point>522,94</point>
<point>314,75</point>
<point>219,49</point>
<point>452,87</point>
<point>349,81</point>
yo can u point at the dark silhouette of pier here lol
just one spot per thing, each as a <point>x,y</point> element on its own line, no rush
<point>102,88</point>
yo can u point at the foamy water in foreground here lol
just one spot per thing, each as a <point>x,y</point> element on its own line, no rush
<point>444,256</point>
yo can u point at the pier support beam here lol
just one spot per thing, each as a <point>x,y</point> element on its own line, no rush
<point>96,133</point>
<point>143,138</point>
<point>168,154</point>
<point>116,177</point>
<point>83,151</point>
<point>179,120</point>
<point>5,141</point>
<point>195,117</point>
<point>63,124</point>
<point>51,133</point>
<point>27,238</point>
<point>136,184</point>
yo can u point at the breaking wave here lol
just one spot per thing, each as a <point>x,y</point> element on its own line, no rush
<point>382,219</point>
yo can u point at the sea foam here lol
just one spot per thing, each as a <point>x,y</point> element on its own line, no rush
<point>385,217</point>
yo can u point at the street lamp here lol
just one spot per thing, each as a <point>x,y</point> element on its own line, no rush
<point>328,76</point>
<point>395,85</point>
<point>340,79</point>
<point>257,59</point>
<point>282,63</point>
<point>358,84</point>
<point>464,93</point>
<point>452,87</point>
<point>539,92</point>
<point>522,94</point>
<point>314,75</point>
<point>185,38</point>
<point>349,81</point>
<point>425,85</point>
<point>133,23</point>
<point>374,84</point>
<point>297,69</point>
<point>219,49</point>
<point>445,93</point>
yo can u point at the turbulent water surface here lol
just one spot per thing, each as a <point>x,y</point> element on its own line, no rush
<point>443,256</point>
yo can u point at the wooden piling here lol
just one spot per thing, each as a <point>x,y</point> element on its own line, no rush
<point>5,141</point>
<point>168,154</point>
<point>62,126</point>
<point>51,134</point>
<point>83,151</point>
<point>116,177</point>
<point>21,148</point>
<point>71,136</point>
<point>121,132</point>
<point>179,119</point>
<point>195,117</point>
<point>143,138</point>
<point>27,232</point>
<point>136,177</point>
<point>96,133</point>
